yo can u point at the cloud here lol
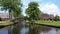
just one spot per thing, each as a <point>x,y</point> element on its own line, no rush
<point>3,11</point>
<point>50,8</point>
<point>25,5</point>
<point>26,2</point>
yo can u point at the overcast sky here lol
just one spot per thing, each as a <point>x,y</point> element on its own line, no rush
<point>46,6</point>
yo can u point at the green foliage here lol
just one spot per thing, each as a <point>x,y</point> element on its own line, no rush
<point>56,18</point>
<point>11,5</point>
<point>4,23</point>
<point>33,11</point>
<point>33,4</point>
<point>16,13</point>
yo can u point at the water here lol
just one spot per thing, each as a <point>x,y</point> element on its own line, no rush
<point>37,29</point>
<point>24,30</point>
<point>4,31</point>
<point>53,31</point>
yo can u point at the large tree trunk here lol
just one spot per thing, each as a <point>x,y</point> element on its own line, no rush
<point>10,16</point>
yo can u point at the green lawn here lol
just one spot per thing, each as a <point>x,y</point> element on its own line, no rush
<point>3,23</point>
<point>53,23</point>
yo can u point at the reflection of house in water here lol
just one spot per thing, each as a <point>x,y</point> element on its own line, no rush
<point>45,16</point>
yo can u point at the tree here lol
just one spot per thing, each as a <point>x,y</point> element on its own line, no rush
<point>11,5</point>
<point>0,19</point>
<point>56,18</point>
<point>16,13</point>
<point>33,11</point>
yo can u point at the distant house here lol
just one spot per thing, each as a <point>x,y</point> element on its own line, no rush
<point>4,15</point>
<point>45,16</point>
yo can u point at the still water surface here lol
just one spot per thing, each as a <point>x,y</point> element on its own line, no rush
<point>36,30</point>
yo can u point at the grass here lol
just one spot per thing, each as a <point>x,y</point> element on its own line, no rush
<point>52,23</point>
<point>3,23</point>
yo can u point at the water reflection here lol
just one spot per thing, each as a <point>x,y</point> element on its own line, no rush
<point>58,31</point>
<point>24,30</point>
<point>29,29</point>
<point>52,31</point>
<point>4,30</point>
<point>36,29</point>
<point>17,28</point>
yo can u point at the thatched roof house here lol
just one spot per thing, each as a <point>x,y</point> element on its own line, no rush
<point>45,16</point>
<point>4,15</point>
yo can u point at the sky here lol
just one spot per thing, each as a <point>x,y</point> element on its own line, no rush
<point>46,6</point>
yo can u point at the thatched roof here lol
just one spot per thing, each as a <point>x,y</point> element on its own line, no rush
<point>4,15</point>
<point>46,16</point>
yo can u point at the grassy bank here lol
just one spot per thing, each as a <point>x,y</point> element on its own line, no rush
<point>3,23</point>
<point>52,23</point>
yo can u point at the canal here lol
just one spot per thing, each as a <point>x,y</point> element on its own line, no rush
<point>23,28</point>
